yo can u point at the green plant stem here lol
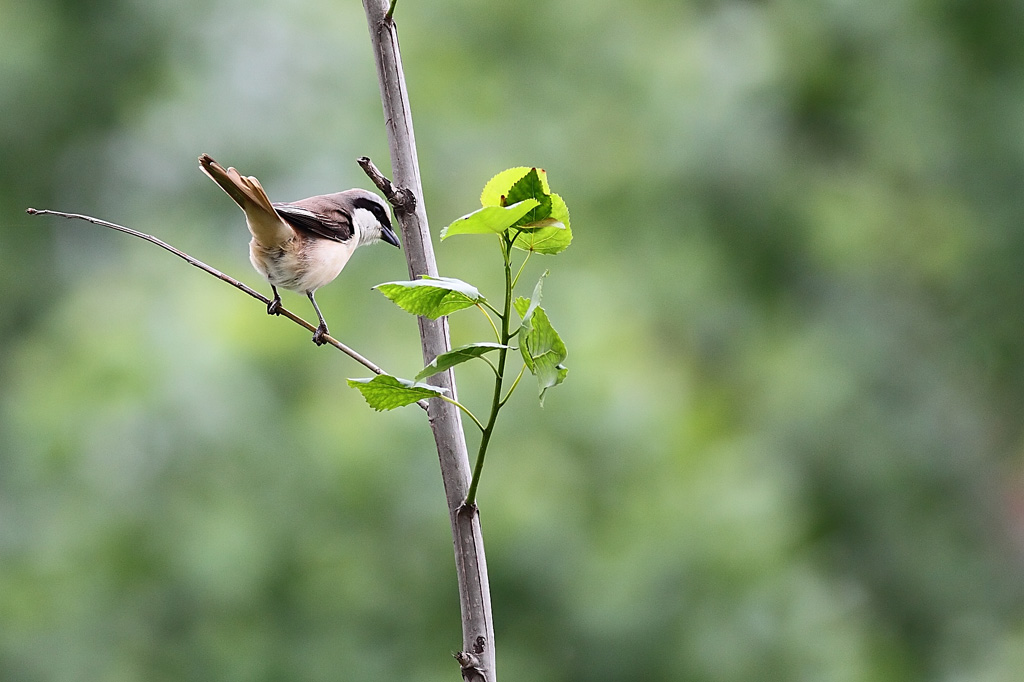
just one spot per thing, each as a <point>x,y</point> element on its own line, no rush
<point>485,436</point>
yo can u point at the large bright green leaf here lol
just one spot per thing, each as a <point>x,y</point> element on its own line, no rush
<point>500,185</point>
<point>490,219</point>
<point>431,297</point>
<point>385,392</point>
<point>456,356</point>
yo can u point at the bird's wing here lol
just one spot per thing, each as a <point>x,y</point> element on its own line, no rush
<point>320,216</point>
<point>263,220</point>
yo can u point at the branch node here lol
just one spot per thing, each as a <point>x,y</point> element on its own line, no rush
<point>402,199</point>
<point>470,510</point>
<point>472,671</point>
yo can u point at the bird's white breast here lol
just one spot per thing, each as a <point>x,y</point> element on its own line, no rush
<point>325,260</point>
<point>304,269</point>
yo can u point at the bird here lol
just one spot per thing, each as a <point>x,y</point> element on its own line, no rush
<point>303,245</point>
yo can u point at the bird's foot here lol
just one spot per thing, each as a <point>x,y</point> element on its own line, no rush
<point>319,334</point>
<point>274,307</point>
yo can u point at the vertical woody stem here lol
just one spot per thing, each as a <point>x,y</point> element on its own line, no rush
<point>477,657</point>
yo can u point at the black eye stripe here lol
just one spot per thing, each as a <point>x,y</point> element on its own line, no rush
<point>376,209</point>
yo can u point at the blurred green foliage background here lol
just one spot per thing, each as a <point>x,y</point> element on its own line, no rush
<point>789,446</point>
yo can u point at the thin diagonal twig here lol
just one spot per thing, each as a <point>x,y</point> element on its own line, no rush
<point>284,312</point>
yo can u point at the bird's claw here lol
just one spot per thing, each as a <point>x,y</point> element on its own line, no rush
<point>319,334</point>
<point>274,307</point>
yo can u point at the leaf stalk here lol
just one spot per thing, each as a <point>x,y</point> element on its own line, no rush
<point>513,386</point>
<point>496,334</point>
<point>465,410</point>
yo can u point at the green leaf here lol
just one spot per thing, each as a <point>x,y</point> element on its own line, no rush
<point>551,239</point>
<point>385,392</point>
<point>526,306</point>
<point>531,187</point>
<point>545,347</point>
<point>456,356</point>
<point>541,346</point>
<point>490,219</point>
<point>501,184</point>
<point>431,297</point>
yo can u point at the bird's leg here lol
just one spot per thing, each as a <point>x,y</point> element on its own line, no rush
<point>274,307</point>
<point>318,335</point>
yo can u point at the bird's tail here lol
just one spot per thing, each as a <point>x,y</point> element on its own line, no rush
<point>246,191</point>
<point>264,223</point>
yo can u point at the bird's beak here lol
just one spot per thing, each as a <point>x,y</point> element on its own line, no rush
<point>388,235</point>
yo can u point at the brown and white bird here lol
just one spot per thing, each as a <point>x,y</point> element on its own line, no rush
<point>303,245</point>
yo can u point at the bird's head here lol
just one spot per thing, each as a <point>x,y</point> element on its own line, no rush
<point>369,217</point>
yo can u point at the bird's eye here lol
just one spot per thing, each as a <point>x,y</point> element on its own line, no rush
<point>382,215</point>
